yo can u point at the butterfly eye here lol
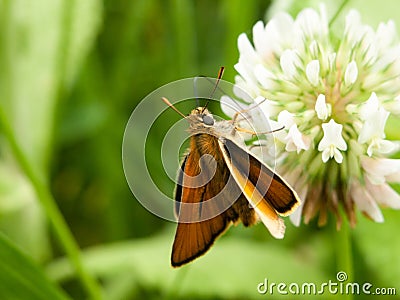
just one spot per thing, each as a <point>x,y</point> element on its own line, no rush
<point>208,120</point>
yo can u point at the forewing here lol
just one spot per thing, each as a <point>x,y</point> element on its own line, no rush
<point>178,188</point>
<point>270,185</point>
<point>194,239</point>
<point>193,235</point>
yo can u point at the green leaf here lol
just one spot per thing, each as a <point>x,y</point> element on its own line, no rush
<point>21,279</point>
<point>19,210</point>
<point>232,269</point>
<point>85,21</point>
<point>42,46</point>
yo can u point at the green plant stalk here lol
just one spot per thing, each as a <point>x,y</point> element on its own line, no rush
<point>340,9</point>
<point>344,257</point>
<point>49,205</point>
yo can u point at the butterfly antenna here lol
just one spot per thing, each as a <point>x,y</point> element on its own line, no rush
<point>240,107</point>
<point>220,73</point>
<point>166,101</point>
<point>196,94</point>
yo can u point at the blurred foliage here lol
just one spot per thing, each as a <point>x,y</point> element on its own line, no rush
<point>71,72</point>
<point>21,278</point>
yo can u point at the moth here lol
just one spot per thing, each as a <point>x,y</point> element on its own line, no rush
<point>221,183</point>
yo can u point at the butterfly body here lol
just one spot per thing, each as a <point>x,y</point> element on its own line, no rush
<point>220,183</point>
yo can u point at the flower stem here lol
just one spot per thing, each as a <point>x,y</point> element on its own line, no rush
<point>344,257</point>
<point>340,9</point>
<point>50,207</point>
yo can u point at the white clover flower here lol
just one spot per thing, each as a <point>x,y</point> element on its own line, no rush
<point>332,142</point>
<point>322,109</point>
<point>333,93</point>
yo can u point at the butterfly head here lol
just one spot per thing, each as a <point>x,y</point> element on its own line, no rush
<point>201,117</point>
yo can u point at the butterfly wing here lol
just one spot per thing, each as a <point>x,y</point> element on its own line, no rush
<point>179,184</point>
<point>198,223</point>
<point>194,239</point>
<point>268,193</point>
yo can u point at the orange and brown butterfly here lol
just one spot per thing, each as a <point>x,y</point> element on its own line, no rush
<point>221,183</point>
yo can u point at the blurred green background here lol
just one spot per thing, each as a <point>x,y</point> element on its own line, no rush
<point>71,73</point>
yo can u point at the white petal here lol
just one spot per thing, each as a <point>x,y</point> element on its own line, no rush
<point>244,44</point>
<point>290,146</point>
<point>370,149</point>
<point>268,107</point>
<point>384,194</point>
<point>286,119</point>
<point>332,61</point>
<point>314,49</point>
<point>369,107</point>
<point>312,72</point>
<point>246,49</point>
<point>241,89</point>
<point>379,168</point>
<point>332,136</point>
<point>295,140</point>
<point>353,28</point>
<point>260,42</point>
<point>259,115</point>
<point>351,73</point>
<point>380,119</point>
<point>367,132</point>
<point>374,127</point>
<point>321,108</point>
<point>325,155</point>
<point>381,146</point>
<point>264,77</point>
<point>386,59</point>
<point>248,83</point>
<point>288,62</point>
<point>393,106</point>
<point>264,106</point>
<point>310,23</point>
<point>324,143</point>
<point>229,106</point>
<point>395,177</point>
<point>338,156</point>
<point>371,52</point>
<point>386,34</point>
<point>265,149</point>
<point>367,50</point>
<point>365,202</point>
<point>279,32</point>
<point>243,69</point>
<point>340,143</point>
